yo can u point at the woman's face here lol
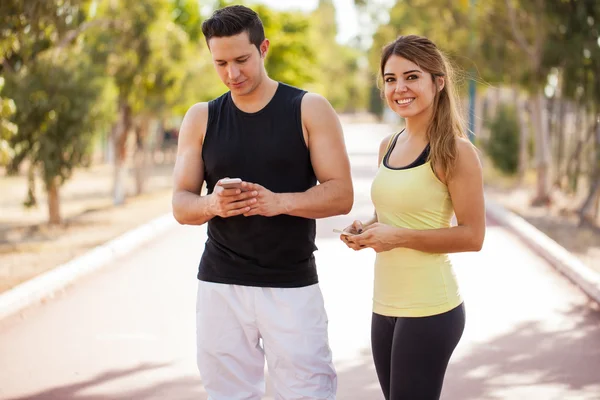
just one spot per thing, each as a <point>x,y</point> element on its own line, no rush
<point>409,91</point>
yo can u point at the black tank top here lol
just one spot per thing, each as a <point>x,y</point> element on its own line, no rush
<point>422,159</point>
<point>268,148</point>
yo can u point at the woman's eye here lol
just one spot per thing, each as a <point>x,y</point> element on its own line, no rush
<point>412,77</point>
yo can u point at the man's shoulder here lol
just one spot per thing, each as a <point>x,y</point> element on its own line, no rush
<point>314,102</point>
<point>201,109</point>
<point>198,111</point>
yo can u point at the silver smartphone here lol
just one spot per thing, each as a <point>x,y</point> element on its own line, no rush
<point>231,183</point>
<point>341,232</point>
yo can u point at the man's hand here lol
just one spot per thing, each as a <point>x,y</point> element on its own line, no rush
<point>231,202</point>
<point>267,204</point>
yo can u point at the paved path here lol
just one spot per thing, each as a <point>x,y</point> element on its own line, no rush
<point>127,332</point>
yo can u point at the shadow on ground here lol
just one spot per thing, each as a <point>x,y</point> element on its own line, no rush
<point>356,381</point>
<point>531,354</point>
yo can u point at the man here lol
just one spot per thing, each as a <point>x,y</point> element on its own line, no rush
<point>258,293</point>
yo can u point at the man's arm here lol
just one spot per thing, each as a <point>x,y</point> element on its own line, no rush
<point>334,195</point>
<point>189,207</point>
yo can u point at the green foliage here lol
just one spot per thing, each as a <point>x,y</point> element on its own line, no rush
<point>147,50</point>
<point>7,129</point>
<point>292,58</point>
<point>503,144</point>
<point>339,77</point>
<point>62,102</point>
<point>28,28</point>
<point>574,47</point>
<point>329,69</point>
<point>186,14</point>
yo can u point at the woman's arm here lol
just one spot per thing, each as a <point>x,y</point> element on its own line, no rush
<point>358,226</point>
<point>466,190</point>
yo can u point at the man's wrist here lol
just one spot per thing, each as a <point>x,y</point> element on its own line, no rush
<point>208,206</point>
<point>284,203</point>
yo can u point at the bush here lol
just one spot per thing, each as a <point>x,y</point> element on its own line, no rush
<point>503,144</point>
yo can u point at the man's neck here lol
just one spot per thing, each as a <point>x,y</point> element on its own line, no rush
<point>258,98</point>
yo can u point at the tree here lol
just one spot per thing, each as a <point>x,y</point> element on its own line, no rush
<point>132,48</point>
<point>292,58</point>
<point>337,63</point>
<point>530,26</point>
<point>58,110</point>
<point>27,30</point>
<point>503,144</point>
<point>576,37</point>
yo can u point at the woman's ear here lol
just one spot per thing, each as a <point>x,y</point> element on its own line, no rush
<point>441,83</point>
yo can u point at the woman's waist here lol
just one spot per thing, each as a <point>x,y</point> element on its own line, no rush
<point>402,257</point>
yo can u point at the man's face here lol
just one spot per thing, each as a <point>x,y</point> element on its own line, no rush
<point>238,62</point>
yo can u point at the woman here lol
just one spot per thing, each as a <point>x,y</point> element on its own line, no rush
<point>427,172</point>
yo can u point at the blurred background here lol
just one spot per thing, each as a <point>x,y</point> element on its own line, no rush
<point>92,93</point>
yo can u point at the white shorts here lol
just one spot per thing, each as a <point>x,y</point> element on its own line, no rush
<point>292,324</point>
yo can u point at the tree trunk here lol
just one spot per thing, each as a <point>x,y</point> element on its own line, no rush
<point>542,150</point>
<point>572,162</point>
<point>589,210</point>
<point>119,133</point>
<point>53,202</point>
<point>141,135</point>
<point>523,135</point>
<point>158,150</point>
<point>560,143</point>
<point>31,200</point>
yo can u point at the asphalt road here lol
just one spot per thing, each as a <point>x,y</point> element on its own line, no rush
<point>127,331</point>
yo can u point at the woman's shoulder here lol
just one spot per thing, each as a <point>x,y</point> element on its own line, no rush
<point>465,148</point>
<point>386,142</point>
<point>384,145</point>
<point>467,160</point>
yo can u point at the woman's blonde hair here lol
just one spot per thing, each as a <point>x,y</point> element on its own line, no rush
<point>447,122</point>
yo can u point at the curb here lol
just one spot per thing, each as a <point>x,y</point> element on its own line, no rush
<point>560,258</point>
<point>48,284</point>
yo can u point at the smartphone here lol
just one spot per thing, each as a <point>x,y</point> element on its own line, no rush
<point>231,183</point>
<point>341,232</point>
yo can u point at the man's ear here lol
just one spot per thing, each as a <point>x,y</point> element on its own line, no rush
<point>264,48</point>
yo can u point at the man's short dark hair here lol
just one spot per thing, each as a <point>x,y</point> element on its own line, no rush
<point>233,20</point>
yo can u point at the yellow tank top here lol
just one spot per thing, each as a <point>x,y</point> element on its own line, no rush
<point>411,283</point>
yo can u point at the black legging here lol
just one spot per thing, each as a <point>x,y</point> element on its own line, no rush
<point>411,353</point>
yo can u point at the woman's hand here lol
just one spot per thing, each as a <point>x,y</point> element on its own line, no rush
<point>354,229</point>
<point>379,237</point>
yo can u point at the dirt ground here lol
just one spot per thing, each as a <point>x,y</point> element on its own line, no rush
<point>29,247</point>
<point>559,221</point>
<point>583,242</point>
